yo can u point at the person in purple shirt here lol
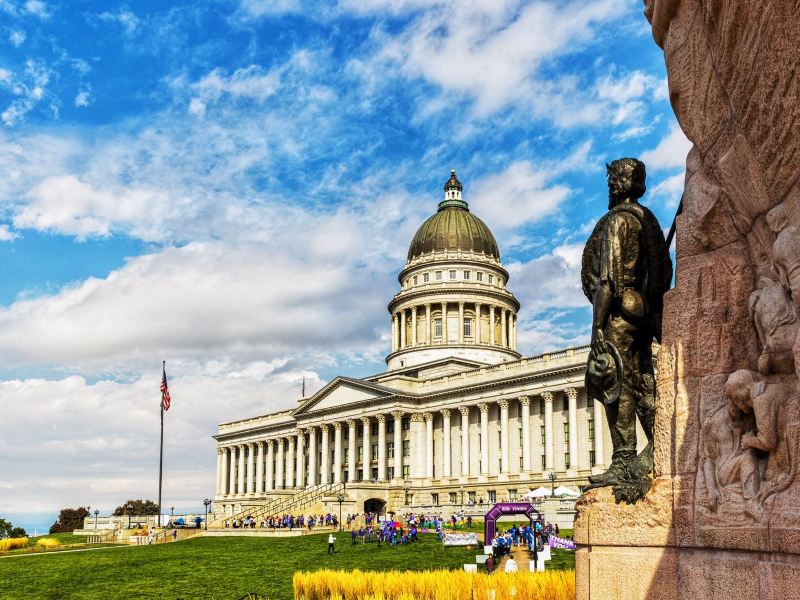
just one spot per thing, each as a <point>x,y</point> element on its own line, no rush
<point>353,536</point>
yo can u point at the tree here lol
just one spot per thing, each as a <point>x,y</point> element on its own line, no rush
<point>137,508</point>
<point>7,530</point>
<point>69,519</point>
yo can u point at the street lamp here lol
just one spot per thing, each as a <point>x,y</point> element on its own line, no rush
<point>461,489</point>
<point>406,487</point>
<point>171,511</point>
<point>206,503</point>
<point>552,478</point>
<point>96,512</point>
<point>340,499</point>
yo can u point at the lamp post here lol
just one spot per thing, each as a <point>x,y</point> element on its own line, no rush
<point>206,503</point>
<point>406,487</point>
<point>552,478</point>
<point>171,511</point>
<point>96,512</point>
<point>340,499</point>
<point>461,489</point>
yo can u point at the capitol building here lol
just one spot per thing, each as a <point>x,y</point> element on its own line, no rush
<point>458,418</point>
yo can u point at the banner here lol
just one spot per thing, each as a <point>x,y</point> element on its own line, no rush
<point>558,542</point>
<point>460,539</point>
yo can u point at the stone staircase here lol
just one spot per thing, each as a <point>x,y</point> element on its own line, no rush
<point>284,505</point>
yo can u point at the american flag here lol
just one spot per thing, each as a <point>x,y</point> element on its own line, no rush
<point>164,390</point>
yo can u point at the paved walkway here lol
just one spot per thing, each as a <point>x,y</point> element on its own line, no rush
<point>523,558</point>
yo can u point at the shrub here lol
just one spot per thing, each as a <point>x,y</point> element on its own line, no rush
<point>13,544</point>
<point>48,542</point>
<point>433,585</point>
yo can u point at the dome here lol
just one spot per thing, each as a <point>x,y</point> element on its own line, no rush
<point>453,228</point>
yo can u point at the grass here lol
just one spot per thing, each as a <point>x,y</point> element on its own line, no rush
<point>216,567</point>
<point>64,539</point>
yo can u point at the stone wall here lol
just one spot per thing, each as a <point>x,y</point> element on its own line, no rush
<point>728,409</point>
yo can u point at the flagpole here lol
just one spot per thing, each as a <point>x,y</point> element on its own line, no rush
<point>161,450</point>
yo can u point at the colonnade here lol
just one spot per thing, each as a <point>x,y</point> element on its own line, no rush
<point>416,325</point>
<point>246,469</point>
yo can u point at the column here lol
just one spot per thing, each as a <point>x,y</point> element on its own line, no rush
<point>223,491</point>
<point>464,410</point>
<point>300,469</point>
<point>260,468</point>
<point>290,462</point>
<point>232,470</point>
<point>398,444</point>
<point>241,489</point>
<point>219,471</point>
<point>599,459</point>
<point>460,322</point>
<point>446,472</point>
<point>381,447</point>
<point>352,456</point>
<point>312,456</point>
<point>324,466</point>
<point>366,449</point>
<point>250,479</point>
<point>414,326</point>
<point>337,452</point>
<point>513,332</point>
<point>270,465</point>
<point>491,325</point>
<point>484,408</point>
<point>444,322</point>
<point>394,332</point>
<point>428,445</point>
<point>428,325</point>
<point>477,322</point>
<point>572,419</point>
<point>525,417</point>
<point>548,430</point>
<point>417,444</point>
<point>280,463</point>
<point>503,328</point>
<point>504,466</point>
<point>403,328</point>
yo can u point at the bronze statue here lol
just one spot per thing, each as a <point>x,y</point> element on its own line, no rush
<point>626,270</point>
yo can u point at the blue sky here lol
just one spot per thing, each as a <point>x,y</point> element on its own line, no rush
<point>232,187</point>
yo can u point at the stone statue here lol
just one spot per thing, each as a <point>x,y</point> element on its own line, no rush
<point>786,251</point>
<point>776,325</point>
<point>626,270</point>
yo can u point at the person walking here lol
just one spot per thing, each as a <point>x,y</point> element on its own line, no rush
<point>490,565</point>
<point>331,542</point>
<point>511,564</point>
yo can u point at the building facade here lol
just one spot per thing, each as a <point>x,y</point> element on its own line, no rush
<point>458,418</point>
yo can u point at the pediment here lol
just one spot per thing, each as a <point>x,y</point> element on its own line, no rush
<point>342,392</point>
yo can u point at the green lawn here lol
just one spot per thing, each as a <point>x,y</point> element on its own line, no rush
<point>215,567</point>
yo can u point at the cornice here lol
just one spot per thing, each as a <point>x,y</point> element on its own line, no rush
<point>453,293</point>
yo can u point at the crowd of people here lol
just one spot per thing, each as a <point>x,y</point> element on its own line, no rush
<point>283,522</point>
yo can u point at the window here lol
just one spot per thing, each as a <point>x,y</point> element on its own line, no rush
<point>512,495</point>
<point>471,497</point>
<point>374,451</point>
<point>409,499</point>
<point>390,450</point>
<point>452,497</point>
<point>467,327</point>
<point>406,448</point>
<point>390,473</point>
<point>566,460</point>
<point>406,423</point>
<point>491,278</point>
<point>437,328</point>
<point>590,422</point>
<point>566,433</point>
<point>390,426</point>
<point>566,404</point>
<point>438,275</point>
<point>544,462</point>
<point>375,473</point>
<point>346,453</point>
<point>435,499</point>
<point>466,275</point>
<point>426,277</point>
<point>479,276</point>
<point>374,429</point>
<point>360,430</point>
<point>453,274</point>
<point>541,406</point>
<point>361,453</point>
<point>592,461</point>
<point>492,496</point>
<point>541,429</point>
<point>414,279</point>
<point>406,471</point>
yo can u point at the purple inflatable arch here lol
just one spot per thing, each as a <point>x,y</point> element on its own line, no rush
<point>501,509</point>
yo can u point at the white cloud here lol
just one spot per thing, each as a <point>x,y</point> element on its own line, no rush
<point>255,9</point>
<point>670,190</point>
<point>29,89</point>
<point>670,153</point>
<point>6,235</point>
<point>83,98</point>
<point>17,37</point>
<point>38,8</point>
<point>124,18</point>
<point>551,281</point>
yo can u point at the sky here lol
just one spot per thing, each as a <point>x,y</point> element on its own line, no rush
<point>232,186</point>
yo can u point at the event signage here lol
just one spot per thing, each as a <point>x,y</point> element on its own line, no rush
<point>559,542</point>
<point>460,539</point>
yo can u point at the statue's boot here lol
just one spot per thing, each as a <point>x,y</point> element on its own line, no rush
<point>611,476</point>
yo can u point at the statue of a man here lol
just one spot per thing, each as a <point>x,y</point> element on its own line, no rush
<point>626,270</point>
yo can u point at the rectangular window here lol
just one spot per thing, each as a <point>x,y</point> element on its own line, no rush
<point>374,451</point>
<point>544,462</point>
<point>345,433</point>
<point>471,497</point>
<point>543,436</point>
<point>453,273</point>
<point>375,473</point>
<point>492,496</point>
<point>512,495</point>
<point>406,448</point>
<point>409,499</point>
<point>360,430</point>
<point>374,429</point>
<point>541,406</point>
<point>452,497</point>
<point>466,275</point>
<point>406,471</point>
<point>491,278</point>
<point>390,426</point>
<point>438,275</point>
<point>566,433</point>
<point>346,453</point>
<point>592,461</point>
<point>467,327</point>
<point>426,277</point>
<point>566,404</point>
<point>406,423</point>
<point>390,473</point>
<point>566,460</point>
<point>414,279</point>
<point>479,276</point>
<point>361,453</point>
<point>590,422</point>
<point>435,499</point>
<point>390,450</point>
<point>437,328</point>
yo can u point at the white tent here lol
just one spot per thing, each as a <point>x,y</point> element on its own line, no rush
<point>538,493</point>
<point>565,491</point>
